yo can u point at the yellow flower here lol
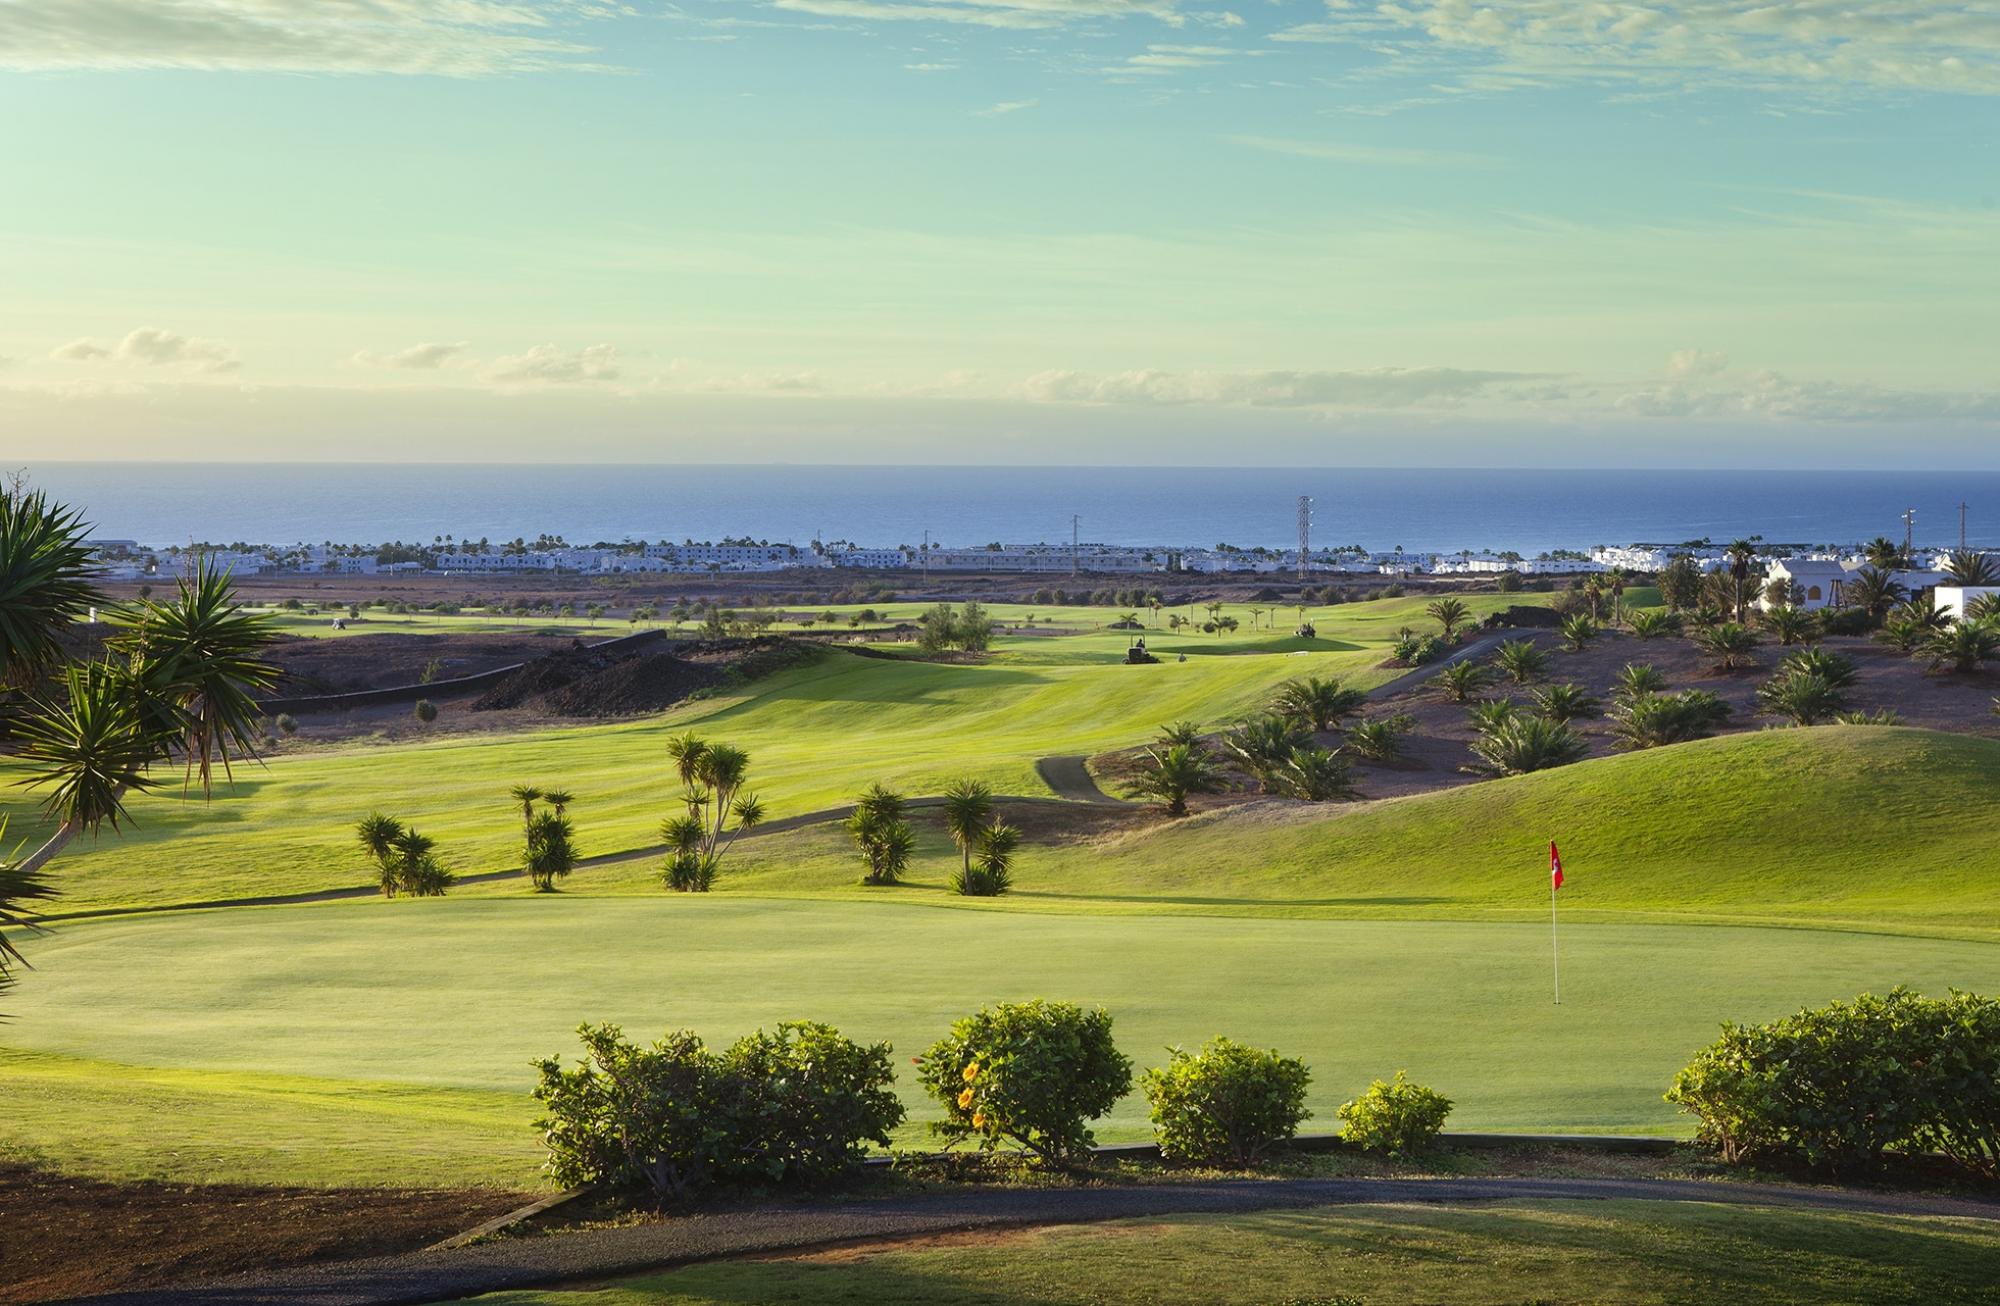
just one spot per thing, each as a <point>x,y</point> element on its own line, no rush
<point>979,1120</point>
<point>971,1071</point>
<point>965,1099</point>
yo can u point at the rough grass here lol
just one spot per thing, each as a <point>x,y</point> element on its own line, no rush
<point>1557,1252</point>
<point>286,1025</point>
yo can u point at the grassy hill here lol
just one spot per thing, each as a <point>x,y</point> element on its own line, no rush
<point>1838,826</point>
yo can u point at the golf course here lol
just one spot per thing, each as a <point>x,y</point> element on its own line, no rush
<point>370,1041</point>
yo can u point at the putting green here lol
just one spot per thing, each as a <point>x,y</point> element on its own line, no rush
<point>458,995</point>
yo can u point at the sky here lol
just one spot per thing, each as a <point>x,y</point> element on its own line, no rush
<point>1729,233</point>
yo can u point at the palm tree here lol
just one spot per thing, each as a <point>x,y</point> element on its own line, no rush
<point>968,811</point>
<point>1983,607</point>
<point>46,583</point>
<point>179,683</point>
<point>1577,631</point>
<point>712,776</point>
<point>1320,704</point>
<point>1790,624</point>
<point>1742,556</point>
<point>1180,732</point>
<point>559,799</point>
<point>551,850</point>
<point>1729,644</point>
<point>1521,659</point>
<point>418,871</point>
<point>1450,613</point>
<point>1653,623</point>
<point>1174,772</point>
<point>527,796</point>
<point>1262,745</point>
<point>1315,775</point>
<point>1565,703</point>
<point>1638,678</point>
<point>1651,720</point>
<point>1836,669</point>
<point>1884,554</point>
<point>1462,681</point>
<point>882,835</point>
<point>1489,716</point>
<point>1805,698</point>
<point>1961,647</point>
<point>1528,743</point>
<point>1970,567</point>
<point>1874,591</point>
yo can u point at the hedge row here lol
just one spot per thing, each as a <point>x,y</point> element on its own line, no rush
<point>803,1104</point>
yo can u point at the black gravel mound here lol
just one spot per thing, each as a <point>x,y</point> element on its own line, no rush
<point>584,682</point>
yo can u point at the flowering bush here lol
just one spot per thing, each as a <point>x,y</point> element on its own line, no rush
<point>1226,1102</point>
<point>1035,1073</point>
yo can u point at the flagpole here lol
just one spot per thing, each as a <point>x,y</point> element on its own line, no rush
<point>1555,945</point>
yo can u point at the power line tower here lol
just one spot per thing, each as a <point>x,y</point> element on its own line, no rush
<point>1305,533</point>
<point>1075,527</point>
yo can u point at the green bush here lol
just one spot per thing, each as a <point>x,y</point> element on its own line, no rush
<point>796,1106</point>
<point>1033,1072</point>
<point>1397,1118</point>
<point>426,711</point>
<point>1226,1103</point>
<point>1841,1086</point>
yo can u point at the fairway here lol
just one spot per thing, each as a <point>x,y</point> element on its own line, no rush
<point>347,1007</point>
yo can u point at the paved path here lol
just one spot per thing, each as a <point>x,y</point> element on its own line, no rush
<point>603,1253</point>
<point>1069,778</point>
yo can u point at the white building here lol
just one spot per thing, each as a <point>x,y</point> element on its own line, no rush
<point>1952,600</point>
<point>1817,583</point>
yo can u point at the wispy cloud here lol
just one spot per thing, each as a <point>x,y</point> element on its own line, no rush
<point>552,365</point>
<point>1818,46</point>
<point>452,38</point>
<point>154,347</point>
<point>423,357</point>
<point>1389,387</point>
<point>1348,152</point>
<point>1004,107</point>
<point>1019,15</point>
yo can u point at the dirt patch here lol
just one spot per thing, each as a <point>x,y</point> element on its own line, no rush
<point>596,682</point>
<point>381,661</point>
<point>65,1237</point>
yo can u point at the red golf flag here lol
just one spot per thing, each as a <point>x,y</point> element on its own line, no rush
<point>1555,866</point>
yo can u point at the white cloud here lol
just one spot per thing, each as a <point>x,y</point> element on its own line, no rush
<point>547,363</point>
<point>930,67</point>
<point>453,38</point>
<point>427,357</point>
<point>154,347</point>
<point>1773,395</point>
<point>1343,152</point>
<point>1684,363</point>
<point>1818,45</point>
<point>1004,107</point>
<point>1389,387</point>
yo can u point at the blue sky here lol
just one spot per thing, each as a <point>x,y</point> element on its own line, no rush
<point>1710,232</point>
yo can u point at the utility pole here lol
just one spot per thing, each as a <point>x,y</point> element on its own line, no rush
<point>926,555</point>
<point>1305,533</point>
<point>1075,526</point>
<point>1909,537</point>
<point>1961,526</point>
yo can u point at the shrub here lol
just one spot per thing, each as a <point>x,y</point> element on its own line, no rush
<point>1397,1118</point>
<point>1521,660</point>
<point>796,1106</point>
<point>1414,650</point>
<point>1380,741</point>
<point>288,723</point>
<point>1805,698</point>
<point>1840,1085</point>
<point>1728,643</point>
<point>1033,1072</point>
<point>1566,702</point>
<point>1837,670</point>
<point>1638,678</point>
<point>1462,681</point>
<point>1653,623</point>
<point>426,711</point>
<point>1313,775</point>
<point>1316,704</point>
<point>1226,1103</point>
<point>1577,631</point>
<point>1262,746</point>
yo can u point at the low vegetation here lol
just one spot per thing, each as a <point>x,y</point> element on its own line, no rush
<point>1226,1104</point>
<point>1034,1074</point>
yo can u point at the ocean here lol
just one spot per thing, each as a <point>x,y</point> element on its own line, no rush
<point>1377,508</point>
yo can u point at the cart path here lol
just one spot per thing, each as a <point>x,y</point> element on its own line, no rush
<point>598,1254</point>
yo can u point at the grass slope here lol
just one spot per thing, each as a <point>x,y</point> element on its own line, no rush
<point>280,1024</point>
<point>816,736</point>
<point>1840,826</point>
<point>1556,1252</point>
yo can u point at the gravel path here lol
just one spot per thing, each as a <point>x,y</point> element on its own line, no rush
<point>604,1253</point>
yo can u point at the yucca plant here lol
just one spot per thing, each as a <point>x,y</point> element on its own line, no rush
<point>1565,703</point>
<point>1528,743</point>
<point>1521,660</point>
<point>377,835</point>
<point>551,850</point>
<point>968,811</point>
<point>991,872</point>
<point>1450,613</point>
